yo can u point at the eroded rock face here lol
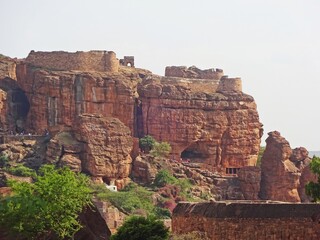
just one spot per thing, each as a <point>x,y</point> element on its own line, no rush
<point>285,172</point>
<point>107,144</point>
<point>58,97</point>
<point>218,130</point>
<point>280,177</point>
<point>250,178</point>
<point>206,119</point>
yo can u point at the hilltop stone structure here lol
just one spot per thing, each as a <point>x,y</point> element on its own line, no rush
<point>248,220</point>
<point>203,114</point>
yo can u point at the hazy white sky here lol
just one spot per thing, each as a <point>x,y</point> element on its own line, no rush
<point>273,45</point>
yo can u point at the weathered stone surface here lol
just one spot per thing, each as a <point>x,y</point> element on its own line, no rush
<point>94,226</point>
<point>217,130</point>
<point>107,144</point>
<point>208,120</point>
<point>280,177</point>
<point>64,150</point>
<point>285,171</point>
<point>247,220</point>
<point>142,171</point>
<point>250,178</point>
<point>193,72</point>
<point>58,97</point>
<point>7,68</point>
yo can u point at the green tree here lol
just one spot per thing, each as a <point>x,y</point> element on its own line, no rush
<point>163,178</point>
<point>138,228</point>
<point>146,143</point>
<point>47,207</point>
<point>162,149</point>
<point>312,188</point>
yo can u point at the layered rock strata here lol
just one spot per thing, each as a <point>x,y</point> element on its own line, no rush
<point>216,129</point>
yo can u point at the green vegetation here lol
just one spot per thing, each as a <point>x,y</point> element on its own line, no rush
<point>261,151</point>
<point>131,199</point>
<point>163,178</point>
<point>162,149</point>
<point>313,189</point>
<point>22,171</point>
<point>4,161</point>
<point>138,228</point>
<point>146,143</point>
<point>47,207</point>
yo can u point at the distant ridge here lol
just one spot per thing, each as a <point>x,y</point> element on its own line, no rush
<point>317,153</point>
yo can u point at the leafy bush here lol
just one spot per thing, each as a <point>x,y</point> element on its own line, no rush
<point>50,206</point>
<point>312,188</point>
<point>131,199</point>
<point>22,171</point>
<point>4,161</point>
<point>146,143</point>
<point>261,151</point>
<point>138,228</point>
<point>162,149</point>
<point>163,178</point>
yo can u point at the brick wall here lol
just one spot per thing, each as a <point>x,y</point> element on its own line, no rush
<point>259,221</point>
<point>83,61</point>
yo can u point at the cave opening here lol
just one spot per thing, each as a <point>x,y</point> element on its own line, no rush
<point>15,107</point>
<point>195,153</point>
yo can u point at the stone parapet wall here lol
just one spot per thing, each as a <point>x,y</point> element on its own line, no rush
<point>193,72</point>
<point>260,221</point>
<point>230,84</point>
<point>82,61</point>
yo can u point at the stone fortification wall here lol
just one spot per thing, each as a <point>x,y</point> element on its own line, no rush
<point>230,84</point>
<point>193,72</point>
<point>83,61</point>
<point>259,220</point>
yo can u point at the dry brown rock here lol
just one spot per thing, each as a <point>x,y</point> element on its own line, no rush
<point>280,177</point>
<point>250,178</point>
<point>107,144</point>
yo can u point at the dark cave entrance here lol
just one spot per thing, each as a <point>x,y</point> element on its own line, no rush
<point>16,106</point>
<point>195,153</point>
<point>18,109</point>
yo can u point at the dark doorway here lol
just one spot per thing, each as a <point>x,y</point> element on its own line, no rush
<point>196,152</point>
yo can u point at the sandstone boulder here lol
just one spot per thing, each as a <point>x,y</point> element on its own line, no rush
<point>107,144</point>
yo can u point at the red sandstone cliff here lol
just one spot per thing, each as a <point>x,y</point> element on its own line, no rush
<point>209,121</point>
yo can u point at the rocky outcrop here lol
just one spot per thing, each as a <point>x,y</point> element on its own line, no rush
<point>280,177</point>
<point>205,117</point>
<point>7,68</point>
<point>285,171</point>
<point>94,225</point>
<point>250,178</point>
<point>64,150</point>
<point>217,130</point>
<point>107,144</point>
<point>143,171</point>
